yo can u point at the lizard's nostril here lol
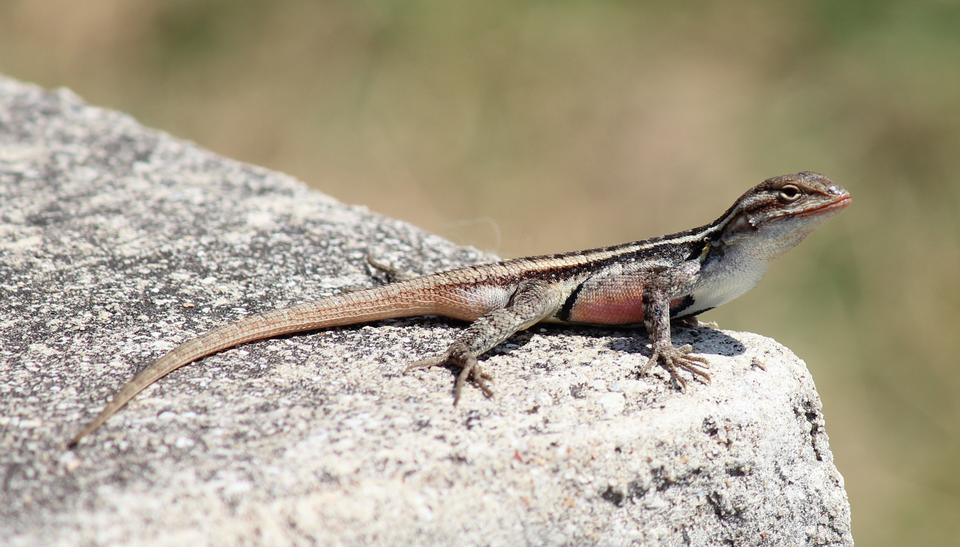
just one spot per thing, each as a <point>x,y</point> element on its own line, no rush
<point>837,190</point>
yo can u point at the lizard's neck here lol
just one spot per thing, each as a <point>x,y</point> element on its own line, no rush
<point>726,273</point>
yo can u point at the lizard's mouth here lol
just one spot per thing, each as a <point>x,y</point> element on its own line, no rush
<point>835,205</point>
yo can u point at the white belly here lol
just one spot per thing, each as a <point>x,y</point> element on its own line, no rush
<point>721,284</point>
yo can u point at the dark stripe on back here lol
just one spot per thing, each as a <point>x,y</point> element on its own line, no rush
<point>623,251</point>
<point>571,265</point>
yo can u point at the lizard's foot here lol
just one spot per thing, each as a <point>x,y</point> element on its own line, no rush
<point>469,370</point>
<point>392,273</point>
<point>693,322</point>
<point>672,359</point>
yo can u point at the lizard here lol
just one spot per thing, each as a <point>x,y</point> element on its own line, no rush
<point>649,282</point>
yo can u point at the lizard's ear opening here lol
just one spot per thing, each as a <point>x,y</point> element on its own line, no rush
<point>741,224</point>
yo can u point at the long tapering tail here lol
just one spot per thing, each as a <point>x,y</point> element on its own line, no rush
<point>398,300</point>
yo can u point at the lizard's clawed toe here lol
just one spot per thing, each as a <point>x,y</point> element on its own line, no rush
<point>470,370</point>
<point>426,363</point>
<point>676,359</point>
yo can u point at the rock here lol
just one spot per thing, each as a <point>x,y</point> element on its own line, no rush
<point>118,242</point>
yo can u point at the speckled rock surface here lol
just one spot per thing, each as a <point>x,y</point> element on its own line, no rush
<point>118,242</point>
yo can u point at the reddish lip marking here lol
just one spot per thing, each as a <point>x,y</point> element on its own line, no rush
<point>838,203</point>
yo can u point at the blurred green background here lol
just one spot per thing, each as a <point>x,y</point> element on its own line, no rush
<point>534,127</point>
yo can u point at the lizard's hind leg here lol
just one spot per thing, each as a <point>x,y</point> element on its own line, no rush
<point>392,273</point>
<point>531,303</point>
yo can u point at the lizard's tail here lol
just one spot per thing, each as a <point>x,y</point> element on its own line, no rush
<point>393,301</point>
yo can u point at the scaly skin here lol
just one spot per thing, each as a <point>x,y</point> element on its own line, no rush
<point>645,282</point>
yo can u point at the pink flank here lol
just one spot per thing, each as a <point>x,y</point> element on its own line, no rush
<point>609,305</point>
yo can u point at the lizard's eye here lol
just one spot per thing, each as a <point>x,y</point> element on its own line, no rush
<point>789,193</point>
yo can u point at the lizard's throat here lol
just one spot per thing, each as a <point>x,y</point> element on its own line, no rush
<point>767,239</point>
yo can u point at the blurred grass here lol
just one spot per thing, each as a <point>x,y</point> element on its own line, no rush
<point>531,127</point>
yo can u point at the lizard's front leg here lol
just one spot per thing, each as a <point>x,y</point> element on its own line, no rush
<point>531,303</point>
<point>656,318</point>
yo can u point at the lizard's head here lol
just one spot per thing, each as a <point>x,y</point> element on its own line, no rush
<point>778,213</point>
